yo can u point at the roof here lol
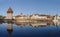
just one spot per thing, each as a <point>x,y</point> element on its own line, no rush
<point>10,10</point>
<point>40,15</point>
<point>20,16</point>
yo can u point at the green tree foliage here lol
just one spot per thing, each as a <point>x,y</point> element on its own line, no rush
<point>2,17</point>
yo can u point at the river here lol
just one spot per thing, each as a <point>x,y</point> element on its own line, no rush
<point>27,30</point>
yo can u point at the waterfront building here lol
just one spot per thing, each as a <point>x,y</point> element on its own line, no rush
<point>21,18</point>
<point>34,17</point>
<point>10,12</point>
<point>56,19</point>
<point>41,17</point>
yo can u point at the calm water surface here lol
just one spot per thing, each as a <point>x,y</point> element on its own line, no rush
<point>29,31</point>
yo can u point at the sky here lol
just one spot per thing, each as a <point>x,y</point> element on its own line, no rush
<point>27,7</point>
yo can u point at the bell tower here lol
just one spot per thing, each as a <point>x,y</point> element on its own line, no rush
<point>10,12</point>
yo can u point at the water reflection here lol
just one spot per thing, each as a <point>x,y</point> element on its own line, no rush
<point>31,28</point>
<point>10,28</point>
<point>34,24</point>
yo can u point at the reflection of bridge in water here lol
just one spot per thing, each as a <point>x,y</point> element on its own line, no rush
<point>33,24</point>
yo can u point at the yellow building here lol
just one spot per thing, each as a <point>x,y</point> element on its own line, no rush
<point>21,17</point>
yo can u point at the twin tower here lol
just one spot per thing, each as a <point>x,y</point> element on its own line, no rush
<point>10,13</point>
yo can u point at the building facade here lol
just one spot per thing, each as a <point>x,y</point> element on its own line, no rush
<point>41,17</point>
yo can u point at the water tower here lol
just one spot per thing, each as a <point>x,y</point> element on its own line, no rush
<point>9,17</point>
<point>10,13</point>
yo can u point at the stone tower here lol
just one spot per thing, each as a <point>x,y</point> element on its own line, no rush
<point>10,12</point>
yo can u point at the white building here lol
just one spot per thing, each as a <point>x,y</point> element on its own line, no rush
<point>56,20</point>
<point>40,17</point>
